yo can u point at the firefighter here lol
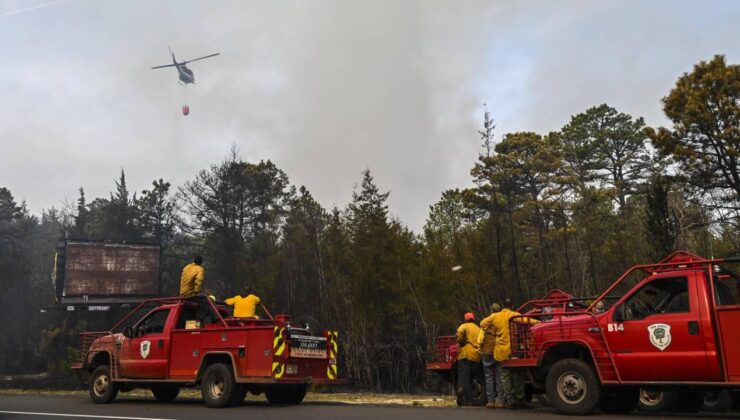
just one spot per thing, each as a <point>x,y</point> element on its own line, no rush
<point>245,304</point>
<point>486,343</point>
<point>513,385</point>
<point>468,358</point>
<point>191,280</point>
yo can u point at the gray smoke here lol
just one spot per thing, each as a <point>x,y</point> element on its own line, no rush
<point>324,89</point>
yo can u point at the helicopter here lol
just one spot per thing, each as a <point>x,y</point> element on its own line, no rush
<point>186,75</point>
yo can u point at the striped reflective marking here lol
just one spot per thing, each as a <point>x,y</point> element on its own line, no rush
<point>278,342</point>
<point>331,369</point>
<point>278,369</point>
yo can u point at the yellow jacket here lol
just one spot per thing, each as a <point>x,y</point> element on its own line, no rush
<point>244,307</point>
<point>191,280</point>
<point>467,337</point>
<point>486,339</point>
<point>500,326</point>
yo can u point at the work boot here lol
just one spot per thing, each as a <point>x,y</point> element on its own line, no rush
<point>501,405</point>
<point>491,405</point>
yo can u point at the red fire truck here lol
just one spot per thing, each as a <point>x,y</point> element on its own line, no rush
<point>671,325</point>
<point>444,355</point>
<point>168,343</point>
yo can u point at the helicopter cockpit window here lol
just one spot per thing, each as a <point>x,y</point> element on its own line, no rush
<point>660,296</point>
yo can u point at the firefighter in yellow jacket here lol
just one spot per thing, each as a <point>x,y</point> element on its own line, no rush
<point>191,280</point>
<point>513,385</point>
<point>487,341</point>
<point>245,304</point>
<point>468,358</point>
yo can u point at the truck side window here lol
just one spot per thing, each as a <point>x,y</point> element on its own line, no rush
<point>154,323</point>
<point>727,291</point>
<point>660,296</point>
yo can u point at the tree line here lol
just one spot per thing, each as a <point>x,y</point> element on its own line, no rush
<point>570,209</point>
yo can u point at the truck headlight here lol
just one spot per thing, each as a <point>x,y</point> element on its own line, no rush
<point>291,369</point>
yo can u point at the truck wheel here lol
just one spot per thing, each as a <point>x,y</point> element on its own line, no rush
<point>573,387</point>
<point>165,392</point>
<point>718,401</point>
<point>218,386</point>
<point>102,389</point>
<point>621,401</point>
<point>286,394</point>
<point>656,400</point>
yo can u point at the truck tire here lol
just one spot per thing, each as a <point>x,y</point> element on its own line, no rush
<point>102,389</point>
<point>218,386</point>
<point>573,387</point>
<point>286,394</point>
<point>165,392</point>
<point>314,326</point>
<point>718,401</point>
<point>656,400</point>
<point>619,401</point>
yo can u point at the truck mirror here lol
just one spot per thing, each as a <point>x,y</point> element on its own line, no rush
<point>619,314</point>
<point>128,332</point>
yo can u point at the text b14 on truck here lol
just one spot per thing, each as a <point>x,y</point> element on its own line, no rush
<point>167,343</point>
<point>675,329</point>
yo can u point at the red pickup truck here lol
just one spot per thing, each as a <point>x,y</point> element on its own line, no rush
<point>444,355</point>
<point>167,343</point>
<point>676,328</point>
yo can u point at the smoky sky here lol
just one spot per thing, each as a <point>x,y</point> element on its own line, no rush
<point>325,89</point>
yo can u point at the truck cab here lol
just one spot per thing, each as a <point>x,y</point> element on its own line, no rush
<point>169,343</point>
<point>676,328</point>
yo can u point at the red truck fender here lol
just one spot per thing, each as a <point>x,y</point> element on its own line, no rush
<point>212,357</point>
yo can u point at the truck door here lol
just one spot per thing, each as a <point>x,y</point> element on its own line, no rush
<point>654,333</point>
<point>145,354</point>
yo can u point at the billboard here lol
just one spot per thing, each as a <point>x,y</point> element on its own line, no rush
<point>91,271</point>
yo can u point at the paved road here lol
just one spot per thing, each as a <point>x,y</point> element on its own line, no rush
<point>79,407</point>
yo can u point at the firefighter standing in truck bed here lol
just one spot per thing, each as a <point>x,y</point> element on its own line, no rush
<point>245,304</point>
<point>468,359</point>
<point>191,280</point>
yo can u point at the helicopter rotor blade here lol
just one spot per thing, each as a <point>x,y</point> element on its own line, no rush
<point>166,65</point>
<point>200,58</point>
